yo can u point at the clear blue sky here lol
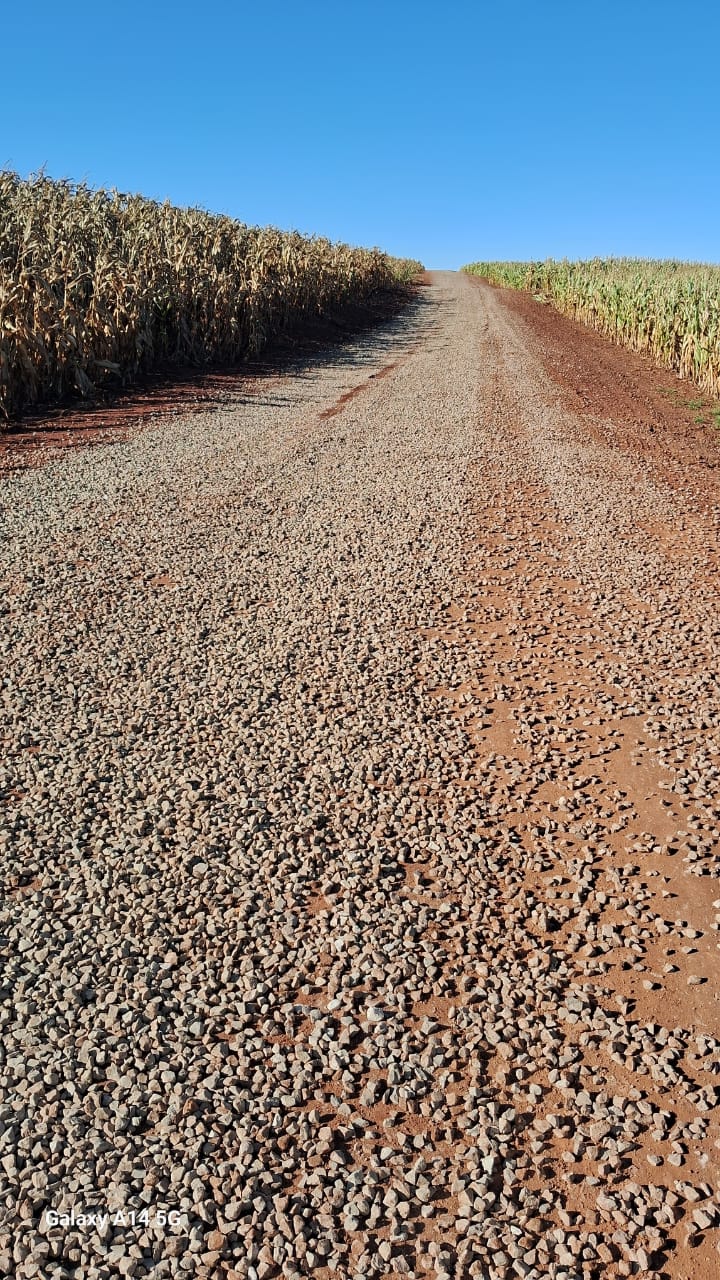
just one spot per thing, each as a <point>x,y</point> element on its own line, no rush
<point>447,131</point>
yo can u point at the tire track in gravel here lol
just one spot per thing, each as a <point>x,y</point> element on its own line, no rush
<point>360,771</point>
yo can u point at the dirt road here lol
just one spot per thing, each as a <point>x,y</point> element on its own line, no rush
<point>361,819</point>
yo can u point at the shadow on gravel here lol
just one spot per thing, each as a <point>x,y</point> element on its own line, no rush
<point>372,336</point>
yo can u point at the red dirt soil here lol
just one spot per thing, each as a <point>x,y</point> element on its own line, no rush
<point>626,399</point>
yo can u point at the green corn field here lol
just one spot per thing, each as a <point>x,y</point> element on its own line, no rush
<point>98,286</point>
<point>669,309</point>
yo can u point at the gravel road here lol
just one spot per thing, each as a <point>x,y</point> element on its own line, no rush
<point>361,817</point>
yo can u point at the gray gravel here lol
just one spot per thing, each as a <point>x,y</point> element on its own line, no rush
<point>324,928</point>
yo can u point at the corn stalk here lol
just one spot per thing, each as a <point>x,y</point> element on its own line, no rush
<point>97,285</point>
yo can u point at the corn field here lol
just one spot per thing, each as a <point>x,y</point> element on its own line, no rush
<point>98,286</point>
<point>669,309</point>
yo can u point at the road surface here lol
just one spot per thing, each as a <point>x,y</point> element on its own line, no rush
<point>360,826</point>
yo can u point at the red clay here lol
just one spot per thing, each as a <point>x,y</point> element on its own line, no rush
<point>623,397</point>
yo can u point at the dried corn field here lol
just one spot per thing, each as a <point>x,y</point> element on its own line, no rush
<point>669,309</point>
<point>96,285</point>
